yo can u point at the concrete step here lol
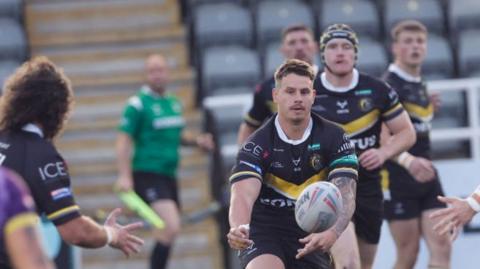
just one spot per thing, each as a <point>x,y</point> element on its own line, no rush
<point>95,21</point>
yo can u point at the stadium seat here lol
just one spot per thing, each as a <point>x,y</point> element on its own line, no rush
<point>372,57</point>
<point>229,66</point>
<point>361,15</point>
<point>453,112</point>
<point>427,11</point>
<point>220,24</point>
<point>464,14</point>
<point>230,91</point>
<point>12,40</point>
<point>11,8</point>
<point>468,52</point>
<point>439,61</point>
<point>6,69</point>
<point>273,16</point>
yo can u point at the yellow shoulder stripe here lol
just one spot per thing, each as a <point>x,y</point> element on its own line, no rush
<point>63,211</point>
<point>289,189</point>
<point>393,110</point>
<point>245,173</point>
<point>419,112</point>
<point>361,124</point>
<point>20,221</point>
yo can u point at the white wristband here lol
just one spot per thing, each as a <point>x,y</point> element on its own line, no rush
<point>405,159</point>
<point>246,226</point>
<point>109,233</point>
<point>473,204</point>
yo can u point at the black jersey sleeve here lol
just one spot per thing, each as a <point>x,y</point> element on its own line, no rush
<point>251,159</point>
<point>50,185</point>
<point>259,111</point>
<point>391,106</point>
<point>342,159</point>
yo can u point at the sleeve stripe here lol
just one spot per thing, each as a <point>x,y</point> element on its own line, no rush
<point>344,170</point>
<point>245,173</point>
<point>62,212</point>
<point>252,121</point>
<point>21,221</point>
<point>393,110</point>
<point>348,160</point>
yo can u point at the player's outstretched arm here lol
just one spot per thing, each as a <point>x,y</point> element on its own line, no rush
<point>84,232</point>
<point>243,196</point>
<point>325,240</point>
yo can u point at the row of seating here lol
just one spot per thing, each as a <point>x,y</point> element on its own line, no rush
<point>233,66</point>
<point>13,42</point>
<point>230,21</point>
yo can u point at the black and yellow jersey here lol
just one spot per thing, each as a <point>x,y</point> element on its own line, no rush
<point>263,106</point>
<point>360,110</point>
<point>414,98</point>
<point>286,167</point>
<point>43,169</point>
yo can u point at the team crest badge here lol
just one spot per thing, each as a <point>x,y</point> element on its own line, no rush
<point>365,104</point>
<point>316,162</point>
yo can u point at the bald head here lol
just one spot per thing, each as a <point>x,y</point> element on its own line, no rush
<point>156,72</point>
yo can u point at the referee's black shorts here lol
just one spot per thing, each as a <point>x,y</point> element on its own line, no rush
<point>152,187</point>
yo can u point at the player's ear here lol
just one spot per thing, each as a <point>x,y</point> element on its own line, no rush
<point>275,95</point>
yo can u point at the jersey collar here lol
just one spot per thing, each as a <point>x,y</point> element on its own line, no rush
<point>284,137</point>
<point>147,90</point>
<point>402,74</point>
<point>32,128</point>
<point>332,88</point>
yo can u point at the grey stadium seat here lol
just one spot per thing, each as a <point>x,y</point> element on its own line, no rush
<point>230,90</point>
<point>273,16</point>
<point>372,57</point>
<point>229,67</point>
<point>428,12</point>
<point>224,23</point>
<point>439,60</point>
<point>464,14</point>
<point>361,15</point>
<point>13,44</point>
<point>11,8</point>
<point>6,69</point>
<point>468,52</point>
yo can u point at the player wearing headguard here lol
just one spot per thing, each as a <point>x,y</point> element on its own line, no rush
<point>298,43</point>
<point>360,104</point>
<point>413,184</point>
<point>293,149</point>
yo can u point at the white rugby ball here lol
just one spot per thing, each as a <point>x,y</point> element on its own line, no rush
<point>318,206</point>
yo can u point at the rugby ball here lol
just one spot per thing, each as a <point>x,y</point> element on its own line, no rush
<point>318,206</point>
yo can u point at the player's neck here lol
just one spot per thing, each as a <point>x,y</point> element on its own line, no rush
<point>339,81</point>
<point>414,71</point>
<point>293,130</point>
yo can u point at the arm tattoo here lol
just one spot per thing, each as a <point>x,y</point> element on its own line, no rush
<point>348,188</point>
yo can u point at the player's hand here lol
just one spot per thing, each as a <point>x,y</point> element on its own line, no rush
<point>238,237</point>
<point>122,238</point>
<point>317,241</point>
<point>421,169</point>
<point>436,101</point>
<point>372,159</point>
<point>452,218</point>
<point>124,183</point>
<point>205,142</point>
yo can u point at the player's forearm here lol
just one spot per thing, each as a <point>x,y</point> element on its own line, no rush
<point>124,153</point>
<point>399,142</point>
<point>244,132</point>
<point>347,187</point>
<point>85,233</point>
<point>240,210</point>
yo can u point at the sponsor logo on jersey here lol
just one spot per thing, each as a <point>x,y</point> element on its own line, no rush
<point>422,127</point>
<point>278,150</point>
<point>277,165</point>
<point>313,147</point>
<point>253,148</point>
<point>296,161</point>
<point>53,170</point>
<point>365,104</point>
<point>251,165</point>
<point>60,193</point>
<point>364,142</point>
<point>168,122</point>
<point>4,145</point>
<point>280,202</point>
<point>342,107</point>
<point>363,92</point>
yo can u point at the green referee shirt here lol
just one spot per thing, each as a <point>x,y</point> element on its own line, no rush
<point>155,124</point>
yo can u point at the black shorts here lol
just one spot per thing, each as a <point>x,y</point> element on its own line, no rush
<point>152,187</point>
<point>368,216</point>
<point>267,241</point>
<point>409,198</point>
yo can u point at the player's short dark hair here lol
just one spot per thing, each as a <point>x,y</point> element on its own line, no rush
<point>407,25</point>
<point>38,92</point>
<point>295,28</point>
<point>294,66</point>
